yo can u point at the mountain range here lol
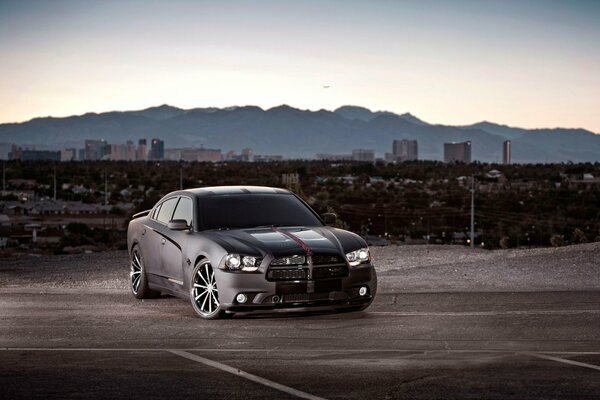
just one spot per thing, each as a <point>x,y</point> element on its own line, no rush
<point>296,133</point>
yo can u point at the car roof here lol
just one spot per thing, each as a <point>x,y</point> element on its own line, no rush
<point>229,190</point>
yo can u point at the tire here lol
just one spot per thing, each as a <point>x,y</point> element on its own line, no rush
<point>204,293</point>
<point>138,281</point>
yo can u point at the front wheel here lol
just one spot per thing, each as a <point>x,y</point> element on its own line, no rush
<point>204,293</point>
<point>138,281</point>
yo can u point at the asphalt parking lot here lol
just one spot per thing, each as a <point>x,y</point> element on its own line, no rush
<point>95,340</point>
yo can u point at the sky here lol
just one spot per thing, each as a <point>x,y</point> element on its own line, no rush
<point>523,63</point>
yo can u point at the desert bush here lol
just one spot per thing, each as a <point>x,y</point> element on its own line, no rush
<point>557,240</point>
<point>579,236</point>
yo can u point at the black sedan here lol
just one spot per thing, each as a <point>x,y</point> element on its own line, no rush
<point>236,249</point>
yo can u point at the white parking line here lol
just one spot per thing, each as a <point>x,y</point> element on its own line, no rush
<point>482,313</point>
<point>562,360</point>
<point>246,375</point>
<point>545,355</point>
<point>292,350</point>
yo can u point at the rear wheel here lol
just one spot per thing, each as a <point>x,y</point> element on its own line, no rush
<point>204,293</point>
<point>138,280</point>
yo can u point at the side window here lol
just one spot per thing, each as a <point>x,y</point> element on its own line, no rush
<point>155,212</point>
<point>166,210</point>
<point>184,210</point>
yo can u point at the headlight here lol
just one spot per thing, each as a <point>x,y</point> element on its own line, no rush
<point>236,262</point>
<point>250,263</point>
<point>232,261</point>
<point>358,257</point>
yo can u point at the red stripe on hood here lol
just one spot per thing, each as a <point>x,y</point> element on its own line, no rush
<point>296,239</point>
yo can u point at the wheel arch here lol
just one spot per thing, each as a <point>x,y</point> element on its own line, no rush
<point>199,258</point>
<point>134,242</point>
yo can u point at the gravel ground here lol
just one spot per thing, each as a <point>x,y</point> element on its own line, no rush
<point>457,268</point>
<point>428,268</point>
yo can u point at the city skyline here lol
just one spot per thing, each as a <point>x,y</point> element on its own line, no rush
<point>521,64</point>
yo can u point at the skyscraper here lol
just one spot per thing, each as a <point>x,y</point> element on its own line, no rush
<point>95,149</point>
<point>363,155</point>
<point>405,150</point>
<point>506,152</point>
<point>457,151</point>
<point>141,153</point>
<point>157,149</point>
<point>247,154</point>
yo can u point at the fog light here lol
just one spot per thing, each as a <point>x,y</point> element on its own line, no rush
<point>362,291</point>
<point>241,298</point>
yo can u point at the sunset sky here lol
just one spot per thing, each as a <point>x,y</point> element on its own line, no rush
<point>522,63</point>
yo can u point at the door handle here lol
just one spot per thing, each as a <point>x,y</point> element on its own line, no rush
<point>163,241</point>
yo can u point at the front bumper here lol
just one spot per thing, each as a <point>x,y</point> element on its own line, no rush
<point>329,293</point>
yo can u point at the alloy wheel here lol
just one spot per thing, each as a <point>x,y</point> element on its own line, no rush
<point>205,293</point>
<point>135,273</point>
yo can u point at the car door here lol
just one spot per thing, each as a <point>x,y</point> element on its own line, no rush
<point>149,243</point>
<point>164,234</point>
<point>175,241</point>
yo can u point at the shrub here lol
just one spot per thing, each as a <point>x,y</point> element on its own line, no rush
<point>579,236</point>
<point>557,240</point>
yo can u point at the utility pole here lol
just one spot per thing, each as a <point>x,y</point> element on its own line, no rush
<point>55,183</point>
<point>181,178</point>
<point>472,211</point>
<point>3,177</point>
<point>105,188</point>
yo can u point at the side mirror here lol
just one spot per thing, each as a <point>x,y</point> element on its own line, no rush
<point>329,218</point>
<point>178,225</point>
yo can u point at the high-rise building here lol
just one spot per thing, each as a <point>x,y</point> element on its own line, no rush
<point>40,155</point>
<point>5,149</point>
<point>247,154</point>
<point>363,155</point>
<point>405,150</point>
<point>457,152</point>
<point>141,153</point>
<point>212,155</point>
<point>116,152</point>
<point>96,149</point>
<point>157,149</point>
<point>506,152</point>
<point>68,155</point>
<point>130,151</point>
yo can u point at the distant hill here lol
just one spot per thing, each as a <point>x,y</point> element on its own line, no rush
<point>298,133</point>
<point>497,129</point>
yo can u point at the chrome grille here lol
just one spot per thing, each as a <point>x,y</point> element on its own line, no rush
<point>287,274</point>
<point>330,272</point>
<point>290,260</point>
<point>321,259</point>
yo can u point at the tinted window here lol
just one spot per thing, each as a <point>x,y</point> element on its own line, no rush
<point>246,211</point>
<point>166,210</point>
<point>184,210</point>
<point>155,213</point>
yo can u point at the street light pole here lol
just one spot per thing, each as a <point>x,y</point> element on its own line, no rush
<point>472,211</point>
<point>105,187</point>
<point>55,183</point>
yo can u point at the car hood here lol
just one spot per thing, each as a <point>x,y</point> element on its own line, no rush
<point>288,240</point>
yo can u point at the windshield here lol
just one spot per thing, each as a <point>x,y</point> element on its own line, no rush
<point>252,210</point>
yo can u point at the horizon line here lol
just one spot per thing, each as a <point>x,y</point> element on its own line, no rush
<point>266,109</point>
